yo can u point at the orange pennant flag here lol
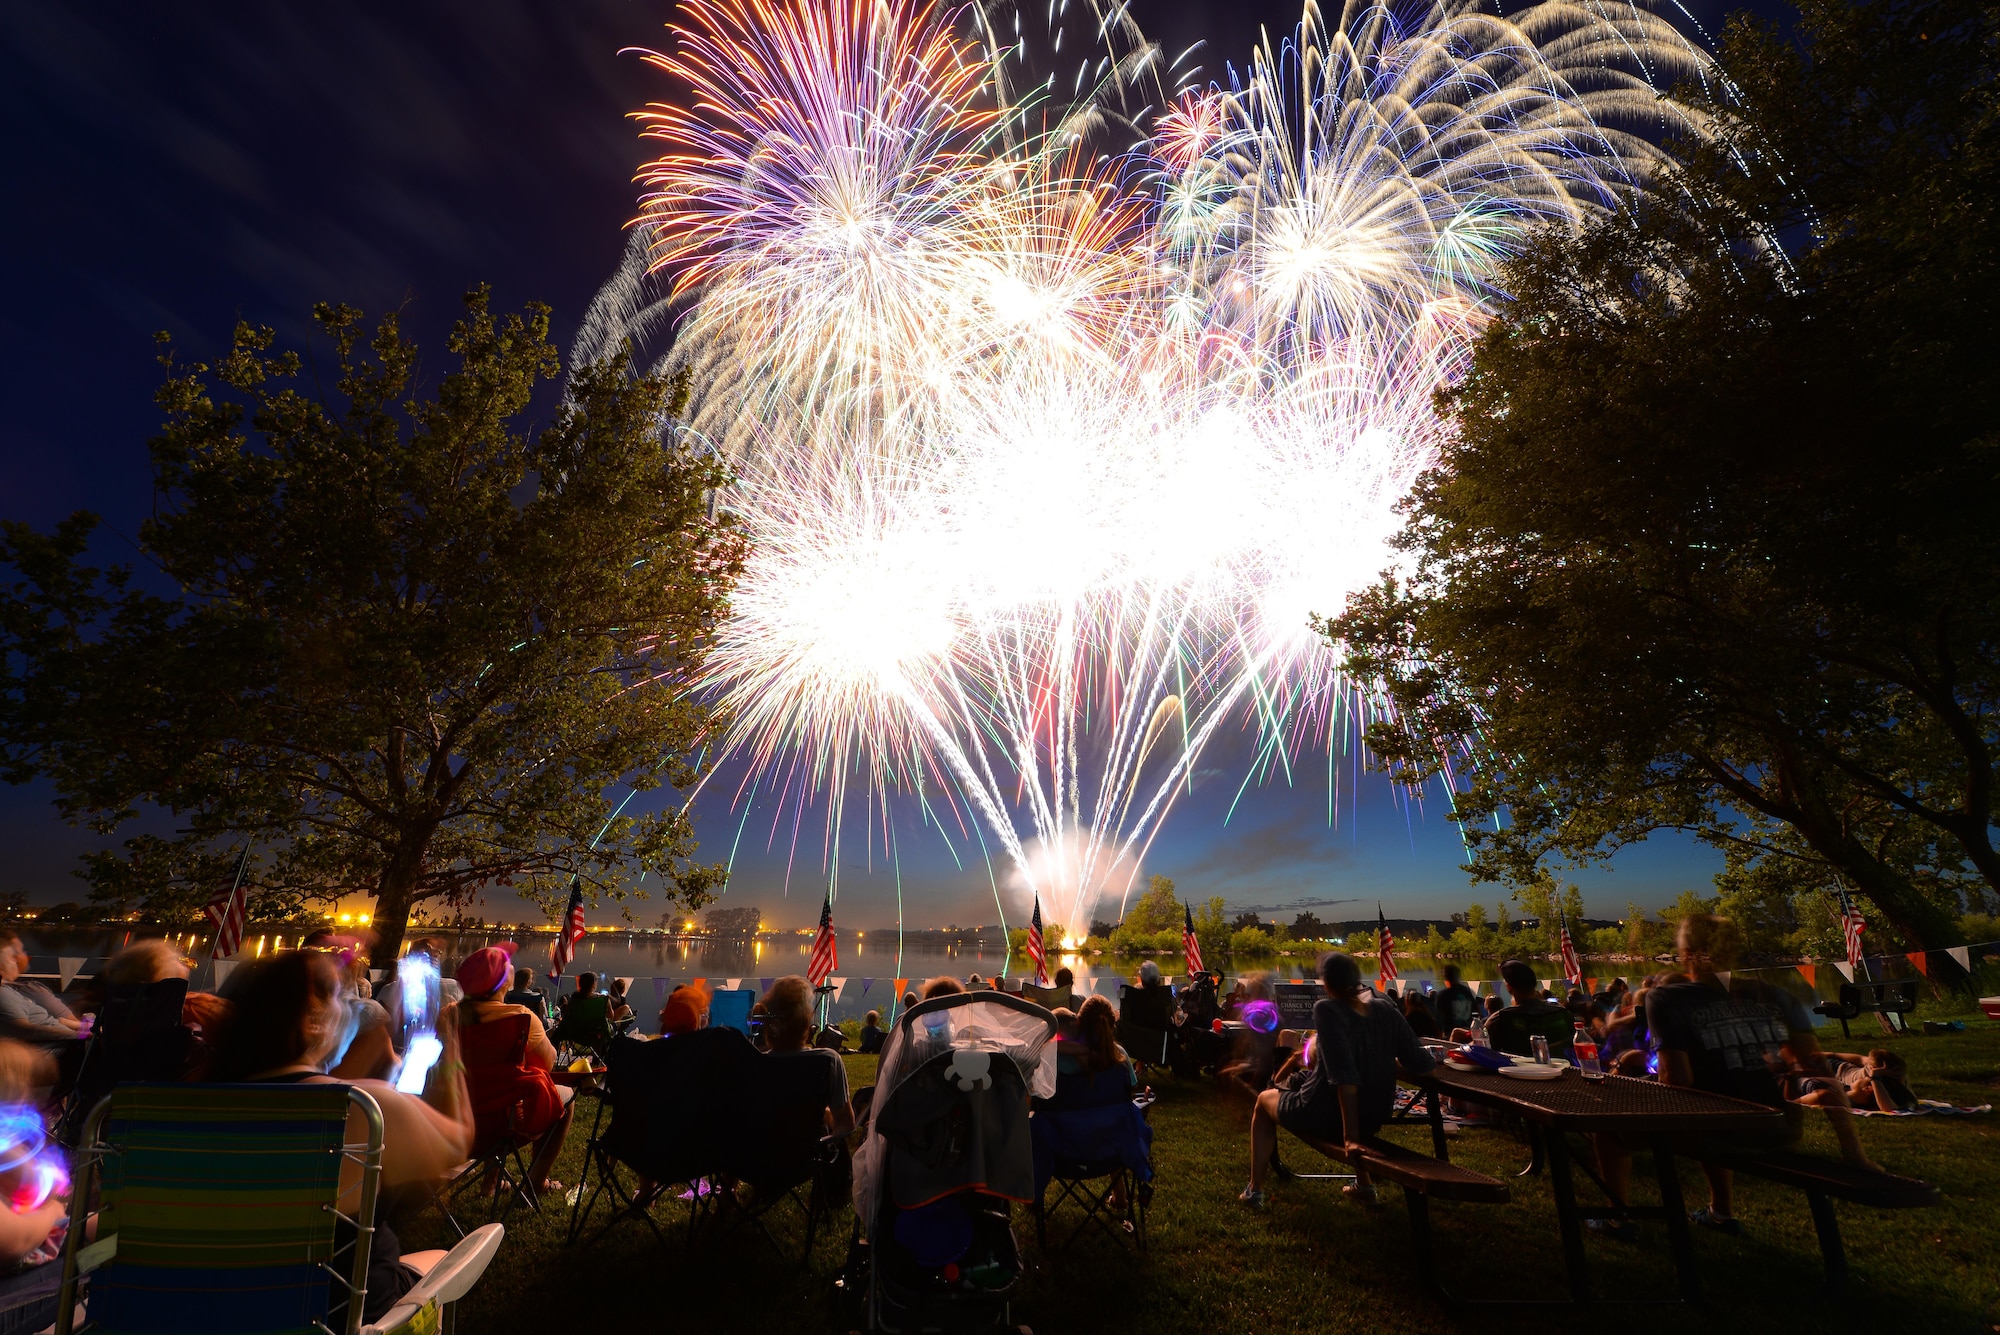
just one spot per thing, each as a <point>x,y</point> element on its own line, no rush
<point>701,983</point>
<point>1590,985</point>
<point>902,986</point>
<point>1810,972</point>
<point>1921,961</point>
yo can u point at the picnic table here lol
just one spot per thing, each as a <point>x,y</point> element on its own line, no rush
<point>1661,1116</point>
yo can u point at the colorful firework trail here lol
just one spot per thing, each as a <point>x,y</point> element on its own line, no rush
<point>1047,453</point>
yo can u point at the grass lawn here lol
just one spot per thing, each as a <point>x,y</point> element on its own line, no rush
<point>1315,1263</point>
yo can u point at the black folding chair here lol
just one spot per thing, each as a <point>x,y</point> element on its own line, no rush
<point>669,1101</point>
<point>785,1153</point>
<point>138,1036</point>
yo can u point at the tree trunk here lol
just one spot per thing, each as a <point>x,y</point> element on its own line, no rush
<point>1907,909</point>
<point>395,896</point>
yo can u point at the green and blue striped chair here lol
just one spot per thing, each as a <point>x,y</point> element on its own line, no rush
<point>219,1211</point>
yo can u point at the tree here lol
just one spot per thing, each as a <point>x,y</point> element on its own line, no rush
<point>1711,546</point>
<point>413,646</point>
<point>1307,927</point>
<point>1156,911</point>
<point>740,922</point>
<point>1211,928</point>
<point>1243,920</point>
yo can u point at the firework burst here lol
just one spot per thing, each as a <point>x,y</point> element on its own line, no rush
<point>1047,453</point>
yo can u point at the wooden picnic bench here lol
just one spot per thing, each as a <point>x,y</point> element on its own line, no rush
<point>1423,1179</point>
<point>1827,1180</point>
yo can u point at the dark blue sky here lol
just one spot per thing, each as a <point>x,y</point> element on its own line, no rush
<point>177,165</point>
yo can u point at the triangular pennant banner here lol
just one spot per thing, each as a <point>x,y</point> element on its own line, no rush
<point>222,968</point>
<point>377,975</point>
<point>731,983</point>
<point>1810,972</point>
<point>1590,985</point>
<point>899,986</point>
<point>67,966</point>
<point>1962,954</point>
<point>628,985</point>
<point>662,986</point>
<point>1846,971</point>
<point>1722,975</point>
<point>1921,962</point>
<point>839,985</point>
<point>866,983</point>
<point>763,985</point>
<point>700,982</point>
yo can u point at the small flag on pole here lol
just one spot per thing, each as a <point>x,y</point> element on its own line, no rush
<point>1384,950</point>
<point>825,952</point>
<point>1572,970</point>
<point>1035,951</point>
<point>571,931</point>
<point>228,910</point>
<point>1190,943</point>
<point>1851,926</point>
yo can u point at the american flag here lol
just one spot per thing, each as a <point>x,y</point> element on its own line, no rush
<point>228,910</point>
<point>1190,944</point>
<point>1384,949</point>
<point>826,956</point>
<point>1572,970</point>
<point>1035,951</point>
<point>1851,925</point>
<point>571,931</point>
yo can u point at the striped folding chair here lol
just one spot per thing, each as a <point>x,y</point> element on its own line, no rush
<point>220,1212</point>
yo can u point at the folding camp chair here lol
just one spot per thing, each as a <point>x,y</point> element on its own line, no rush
<point>662,1096</point>
<point>138,1036</point>
<point>1093,1145</point>
<point>504,1092</point>
<point>221,1213</point>
<point>784,1153</point>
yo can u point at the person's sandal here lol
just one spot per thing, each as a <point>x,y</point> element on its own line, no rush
<point>1618,1230</point>
<point>1251,1197</point>
<point>1727,1225</point>
<point>1359,1194</point>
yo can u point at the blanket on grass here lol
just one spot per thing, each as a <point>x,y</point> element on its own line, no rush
<point>1926,1107</point>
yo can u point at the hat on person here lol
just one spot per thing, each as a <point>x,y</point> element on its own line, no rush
<point>484,970</point>
<point>685,1009</point>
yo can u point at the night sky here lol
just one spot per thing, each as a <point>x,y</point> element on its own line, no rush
<point>179,166</point>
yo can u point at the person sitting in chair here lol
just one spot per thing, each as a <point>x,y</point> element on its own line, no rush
<point>618,1010</point>
<point>1532,1012</point>
<point>686,1010</point>
<point>1349,1088</point>
<point>788,1030</point>
<point>292,1022</point>
<point>525,993</point>
<point>586,1016</point>
<point>1151,1003</point>
<point>1090,1044</point>
<point>541,1107</point>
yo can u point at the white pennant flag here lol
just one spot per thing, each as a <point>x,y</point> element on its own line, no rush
<point>731,983</point>
<point>67,966</point>
<point>628,985</point>
<point>1722,975</point>
<point>1476,984</point>
<point>838,984</point>
<point>377,975</point>
<point>1846,971</point>
<point>222,968</point>
<point>1963,954</point>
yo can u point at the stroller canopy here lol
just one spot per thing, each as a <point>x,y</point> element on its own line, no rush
<point>989,1049</point>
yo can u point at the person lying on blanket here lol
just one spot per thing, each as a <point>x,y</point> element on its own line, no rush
<point>1878,1080</point>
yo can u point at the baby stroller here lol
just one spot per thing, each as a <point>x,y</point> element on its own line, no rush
<point>945,1153</point>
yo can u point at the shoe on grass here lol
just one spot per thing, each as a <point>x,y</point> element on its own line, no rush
<point>1729,1225</point>
<point>1359,1194</point>
<point>1251,1197</point>
<point>1618,1230</point>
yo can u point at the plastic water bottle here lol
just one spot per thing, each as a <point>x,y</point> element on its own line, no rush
<point>1478,1031</point>
<point>1585,1048</point>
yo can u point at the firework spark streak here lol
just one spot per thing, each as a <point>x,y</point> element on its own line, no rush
<point>1046,453</point>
